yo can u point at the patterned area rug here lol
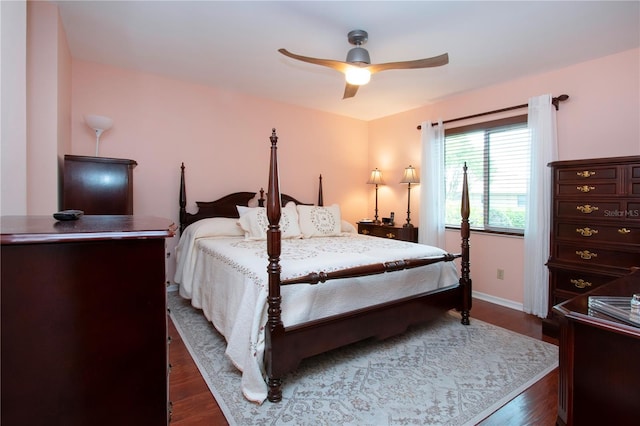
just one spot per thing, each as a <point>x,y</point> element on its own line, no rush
<point>442,373</point>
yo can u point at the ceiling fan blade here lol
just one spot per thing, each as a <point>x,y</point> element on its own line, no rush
<point>350,91</point>
<point>435,61</point>
<point>336,65</point>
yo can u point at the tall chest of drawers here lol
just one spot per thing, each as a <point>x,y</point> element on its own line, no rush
<point>595,234</point>
<point>98,185</point>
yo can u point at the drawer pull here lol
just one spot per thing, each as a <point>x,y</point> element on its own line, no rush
<point>365,232</point>
<point>390,235</point>
<point>624,231</point>
<point>580,283</point>
<point>586,232</point>
<point>586,254</point>
<point>585,188</point>
<point>585,174</point>
<point>587,208</point>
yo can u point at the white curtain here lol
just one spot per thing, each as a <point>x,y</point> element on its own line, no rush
<point>544,149</point>
<point>432,203</point>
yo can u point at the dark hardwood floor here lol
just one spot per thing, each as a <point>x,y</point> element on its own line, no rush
<point>194,405</point>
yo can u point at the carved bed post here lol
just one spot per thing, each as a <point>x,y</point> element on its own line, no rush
<point>465,280</point>
<point>183,200</point>
<point>320,198</point>
<point>275,329</point>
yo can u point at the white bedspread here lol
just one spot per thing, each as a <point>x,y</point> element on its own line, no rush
<point>227,278</point>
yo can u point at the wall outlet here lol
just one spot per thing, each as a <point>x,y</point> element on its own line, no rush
<point>500,274</point>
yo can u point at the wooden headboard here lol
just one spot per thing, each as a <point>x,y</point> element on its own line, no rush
<point>226,206</point>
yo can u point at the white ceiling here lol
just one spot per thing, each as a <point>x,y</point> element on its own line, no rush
<point>233,44</point>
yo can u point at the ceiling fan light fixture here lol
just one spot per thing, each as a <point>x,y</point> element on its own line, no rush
<point>358,67</point>
<point>358,76</point>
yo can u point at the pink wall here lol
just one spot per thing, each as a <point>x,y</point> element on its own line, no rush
<point>601,119</point>
<point>48,105</point>
<point>222,137</point>
<point>13,109</point>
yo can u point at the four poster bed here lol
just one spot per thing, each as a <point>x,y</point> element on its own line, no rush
<point>325,286</point>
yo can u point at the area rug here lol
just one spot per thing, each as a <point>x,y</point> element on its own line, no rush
<point>442,373</point>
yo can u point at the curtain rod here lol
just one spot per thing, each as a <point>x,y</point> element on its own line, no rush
<point>555,101</point>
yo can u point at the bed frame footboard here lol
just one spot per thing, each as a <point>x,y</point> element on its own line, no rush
<point>285,348</point>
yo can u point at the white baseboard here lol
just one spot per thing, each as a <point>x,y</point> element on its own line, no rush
<point>498,301</point>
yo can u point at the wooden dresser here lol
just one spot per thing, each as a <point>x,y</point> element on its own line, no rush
<point>98,185</point>
<point>84,321</point>
<point>385,231</point>
<point>595,225</point>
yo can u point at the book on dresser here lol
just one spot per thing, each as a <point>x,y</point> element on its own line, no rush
<point>618,307</point>
<point>595,223</point>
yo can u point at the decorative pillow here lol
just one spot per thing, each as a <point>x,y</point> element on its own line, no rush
<point>318,221</point>
<point>254,222</point>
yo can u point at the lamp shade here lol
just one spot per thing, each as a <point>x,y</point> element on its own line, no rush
<point>98,122</point>
<point>410,175</point>
<point>357,76</point>
<point>376,177</point>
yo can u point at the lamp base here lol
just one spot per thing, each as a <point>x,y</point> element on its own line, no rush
<point>407,225</point>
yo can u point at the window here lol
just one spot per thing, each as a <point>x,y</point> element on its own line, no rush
<point>497,156</point>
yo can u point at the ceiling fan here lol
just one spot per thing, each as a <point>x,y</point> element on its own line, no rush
<point>358,67</point>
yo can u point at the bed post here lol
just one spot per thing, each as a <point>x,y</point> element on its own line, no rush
<point>465,280</point>
<point>320,198</point>
<point>274,329</point>
<point>183,200</point>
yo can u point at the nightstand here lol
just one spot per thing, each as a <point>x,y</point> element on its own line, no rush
<point>386,231</point>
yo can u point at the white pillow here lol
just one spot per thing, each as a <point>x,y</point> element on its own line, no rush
<point>213,227</point>
<point>318,221</point>
<point>348,227</point>
<point>254,222</point>
<point>242,210</point>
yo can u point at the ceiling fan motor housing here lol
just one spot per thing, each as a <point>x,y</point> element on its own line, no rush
<point>358,54</point>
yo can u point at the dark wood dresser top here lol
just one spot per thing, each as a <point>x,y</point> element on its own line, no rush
<point>108,160</point>
<point>39,229</point>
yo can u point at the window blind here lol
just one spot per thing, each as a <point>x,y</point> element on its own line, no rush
<point>497,155</point>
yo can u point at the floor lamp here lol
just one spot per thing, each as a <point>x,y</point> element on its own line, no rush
<point>410,176</point>
<point>376,179</point>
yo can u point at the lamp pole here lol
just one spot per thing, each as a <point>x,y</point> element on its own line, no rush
<point>376,221</point>
<point>408,224</point>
